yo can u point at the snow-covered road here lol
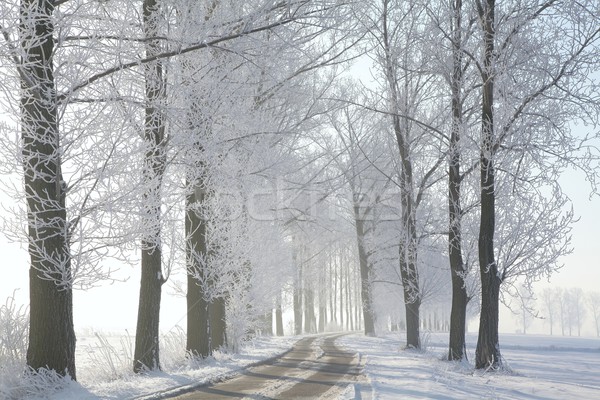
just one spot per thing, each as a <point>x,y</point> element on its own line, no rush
<point>314,369</point>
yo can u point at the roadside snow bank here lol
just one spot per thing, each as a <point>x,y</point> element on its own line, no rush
<point>109,355</point>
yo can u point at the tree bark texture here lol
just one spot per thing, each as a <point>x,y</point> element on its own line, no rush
<point>198,343</point>
<point>322,293</point>
<point>146,354</point>
<point>51,332</point>
<point>322,316</point>
<point>488,350</point>
<point>297,310</point>
<point>349,316</point>
<point>297,297</point>
<point>310,320</point>
<point>408,246</point>
<point>365,279</point>
<point>279,318</point>
<point>268,325</point>
<point>458,314</point>
<point>333,298</point>
<point>218,323</point>
<point>358,310</point>
<point>341,294</point>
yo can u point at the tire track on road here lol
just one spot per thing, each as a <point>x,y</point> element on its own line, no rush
<point>311,370</point>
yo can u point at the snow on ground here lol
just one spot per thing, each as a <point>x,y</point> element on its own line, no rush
<point>538,367</point>
<point>104,370</point>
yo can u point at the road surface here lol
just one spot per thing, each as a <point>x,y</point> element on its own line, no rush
<point>314,369</point>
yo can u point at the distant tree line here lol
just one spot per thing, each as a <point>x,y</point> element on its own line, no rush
<point>565,310</point>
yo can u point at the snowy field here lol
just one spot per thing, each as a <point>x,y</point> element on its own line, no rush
<point>105,367</point>
<point>538,367</point>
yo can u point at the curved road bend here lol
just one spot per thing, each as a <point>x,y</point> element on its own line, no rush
<point>314,369</point>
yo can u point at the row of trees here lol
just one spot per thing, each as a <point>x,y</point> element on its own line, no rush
<point>139,122</point>
<point>568,309</point>
<point>498,97</point>
<point>485,118</point>
<point>230,139</point>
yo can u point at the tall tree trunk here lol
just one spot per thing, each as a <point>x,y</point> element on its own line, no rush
<point>297,310</point>
<point>297,298</point>
<point>322,300</point>
<point>146,354</point>
<point>408,249</point>
<point>365,278</point>
<point>206,312</point>
<point>488,349</point>
<point>458,314</point>
<point>330,289</point>
<point>198,343</point>
<point>309,309</point>
<point>206,318</point>
<point>218,323</point>
<point>333,267</point>
<point>408,246</point>
<point>322,316</point>
<point>348,298</point>
<point>412,308</point>
<point>279,317</point>
<point>268,330</point>
<point>51,333</point>
<point>341,294</point>
<point>357,301</point>
<point>217,317</point>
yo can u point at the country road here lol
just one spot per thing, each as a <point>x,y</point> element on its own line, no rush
<point>314,369</point>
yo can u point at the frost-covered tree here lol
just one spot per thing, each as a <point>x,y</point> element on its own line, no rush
<point>561,299</point>
<point>550,307</point>
<point>79,92</point>
<point>526,140</point>
<point>74,151</point>
<point>454,21</point>
<point>51,334</point>
<point>404,96</point>
<point>594,306</point>
<point>362,164</point>
<point>455,242</point>
<point>240,105</point>
<point>146,354</point>
<point>576,306</point>
<point>64,167</point>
